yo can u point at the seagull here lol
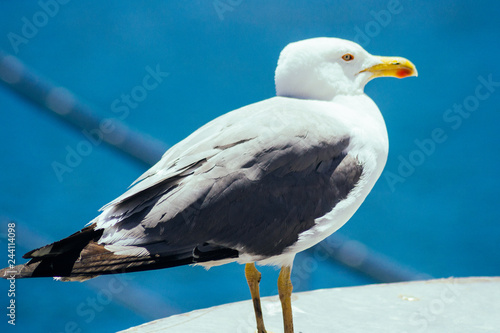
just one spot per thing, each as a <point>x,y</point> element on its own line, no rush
<point>256,185</point>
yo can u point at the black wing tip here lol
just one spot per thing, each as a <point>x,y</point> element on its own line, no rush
<point>82,262</point>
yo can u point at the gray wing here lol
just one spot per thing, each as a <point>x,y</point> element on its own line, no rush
<point>251,180</point>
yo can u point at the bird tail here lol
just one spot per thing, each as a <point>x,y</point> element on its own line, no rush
<point>79,257</point>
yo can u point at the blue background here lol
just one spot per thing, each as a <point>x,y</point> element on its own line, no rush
<point>440,219</point>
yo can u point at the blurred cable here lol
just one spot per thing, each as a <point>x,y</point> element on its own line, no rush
<point>68,107</point>
<point>65,104</point>
<point>362,259</point>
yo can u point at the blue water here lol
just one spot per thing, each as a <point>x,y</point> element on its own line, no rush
<point>438,216</point>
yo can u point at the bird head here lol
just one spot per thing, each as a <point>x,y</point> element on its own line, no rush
<point>322,68</point>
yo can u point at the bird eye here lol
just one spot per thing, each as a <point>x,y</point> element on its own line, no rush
<point>348,57</point>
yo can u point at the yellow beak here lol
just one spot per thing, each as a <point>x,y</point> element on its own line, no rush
<point>392,66</point>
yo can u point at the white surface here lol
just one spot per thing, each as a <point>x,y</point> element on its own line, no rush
<point>448,305</point>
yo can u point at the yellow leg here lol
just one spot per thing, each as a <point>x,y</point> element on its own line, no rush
<point>253,279</point>
<point>285,290</point>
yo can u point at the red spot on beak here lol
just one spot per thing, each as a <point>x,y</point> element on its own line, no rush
<point>401,73</point>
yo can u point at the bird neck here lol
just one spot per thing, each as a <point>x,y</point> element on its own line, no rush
<point>362,105</point>
<point>364,116</point>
